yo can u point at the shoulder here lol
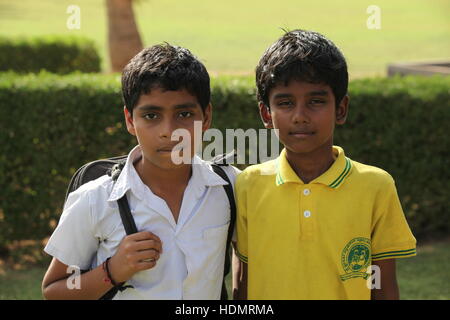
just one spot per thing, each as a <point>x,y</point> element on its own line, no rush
<point>256,174</point>
<point>371,175</point>
<point>263,169</point>
<point>92,191</point>
<point>89,203</point>
<point>231,171</point>
<point>85,206</point>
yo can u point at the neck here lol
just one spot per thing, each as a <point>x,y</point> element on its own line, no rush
<point>163,179</point>
<point>309,166</point>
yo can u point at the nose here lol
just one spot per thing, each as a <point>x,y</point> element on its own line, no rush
<point>300,113</point>
<point>166,128</point>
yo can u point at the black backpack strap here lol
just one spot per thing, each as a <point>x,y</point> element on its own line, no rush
<point>230,194</point>
<point>127,221</point>
<point>124,208</point>
<point>126,216</point>
<point>130,228</point>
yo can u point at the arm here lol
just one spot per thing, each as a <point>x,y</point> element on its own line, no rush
<point>239,279</point>
<point>54,285</point>
<point>391,238</point>
<point>128,260</point>
<point>388,281</point>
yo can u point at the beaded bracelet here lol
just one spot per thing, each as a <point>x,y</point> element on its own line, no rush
<point>108,277</point>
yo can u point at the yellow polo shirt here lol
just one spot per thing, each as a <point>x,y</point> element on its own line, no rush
<point>317,240</point>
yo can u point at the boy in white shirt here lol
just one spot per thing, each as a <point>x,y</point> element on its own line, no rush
<point>181,210</point>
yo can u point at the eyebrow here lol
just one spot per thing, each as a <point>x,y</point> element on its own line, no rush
<point>322,93</point>
<point>282,95</point>
<point>150,107</point>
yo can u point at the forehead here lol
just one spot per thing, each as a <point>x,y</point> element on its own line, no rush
<point>300,88</point>
<point>163,98</point>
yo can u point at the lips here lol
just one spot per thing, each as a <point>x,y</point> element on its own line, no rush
<point>168,149</point>
<point>302,133</point>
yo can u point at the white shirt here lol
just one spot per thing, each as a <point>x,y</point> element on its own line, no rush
<point>191,264</point>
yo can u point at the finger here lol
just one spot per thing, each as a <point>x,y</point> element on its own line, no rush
<point>145,265</point>
<point>148,244</point>
<point>147,255</point>
<point>144,235</point>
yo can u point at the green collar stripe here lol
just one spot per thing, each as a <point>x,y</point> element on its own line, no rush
<point>344,173</point>
<point>392,252</point>
<point>341,175</point>
<point>279,179</point>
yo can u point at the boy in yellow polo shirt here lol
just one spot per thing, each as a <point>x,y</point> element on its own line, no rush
<point>314,224</point>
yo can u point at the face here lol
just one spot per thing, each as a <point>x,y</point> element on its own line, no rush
<point>305,115</point>
<point>157,115</point>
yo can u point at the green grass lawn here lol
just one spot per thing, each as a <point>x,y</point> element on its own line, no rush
<point>230,36</point>
<point>426,276</point>
<point>22,284</point>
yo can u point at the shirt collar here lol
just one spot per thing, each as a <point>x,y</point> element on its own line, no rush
<point>204,169</point>
<point>333,177</point>
<point>202,176</point>
<point>128,178</point>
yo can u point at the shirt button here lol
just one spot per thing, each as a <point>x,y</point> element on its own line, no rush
<point>306,192</point>
<point>307,213</point>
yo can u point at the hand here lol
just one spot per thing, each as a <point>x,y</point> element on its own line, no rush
<point>136,252</point>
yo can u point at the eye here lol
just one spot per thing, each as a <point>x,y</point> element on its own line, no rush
<point>316,102</point>
<point>150,116</point>
<point>185,114</point>
<point>285,103</point>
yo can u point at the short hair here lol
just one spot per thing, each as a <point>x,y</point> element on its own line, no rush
<point>167,67</point>
<point>303,56</point>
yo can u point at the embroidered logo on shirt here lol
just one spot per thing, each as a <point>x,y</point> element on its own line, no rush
<point>355,258</point>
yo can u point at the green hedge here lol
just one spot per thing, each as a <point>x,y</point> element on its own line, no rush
<point>50,125</point>
<point>52,53</point>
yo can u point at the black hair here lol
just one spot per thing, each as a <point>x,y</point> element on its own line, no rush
<point>303,56</point>
<point>167,67</point>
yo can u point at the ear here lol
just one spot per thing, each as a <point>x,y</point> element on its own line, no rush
<point>207,118</point>
<point>266,117</point>
<point>129,121</point>
<point>342,110</point>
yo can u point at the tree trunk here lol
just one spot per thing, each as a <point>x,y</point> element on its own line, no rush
<point>124,41</point>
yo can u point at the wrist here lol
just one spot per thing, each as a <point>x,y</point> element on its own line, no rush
<point>108,277</point>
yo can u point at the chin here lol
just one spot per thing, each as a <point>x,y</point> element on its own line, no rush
<point>306,147</point>
<point>299,148</point>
